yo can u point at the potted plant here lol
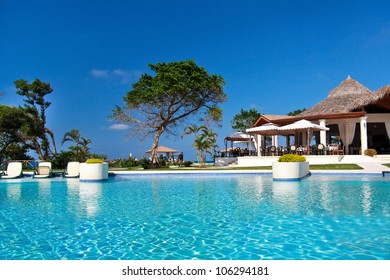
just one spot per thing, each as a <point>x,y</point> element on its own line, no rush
<point>290,167</point>
<point>94,169</point>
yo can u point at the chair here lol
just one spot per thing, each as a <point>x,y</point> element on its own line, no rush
<point>293,149</point>
<point>333,149</point>
<point>273,151</point>
<point>320,149</point>
<point>340,151</point>
<point>72,170</point>
<point>14,170</point>
<point>43,170</point>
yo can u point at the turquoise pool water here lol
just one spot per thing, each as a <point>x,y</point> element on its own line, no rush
<point>196,217</point>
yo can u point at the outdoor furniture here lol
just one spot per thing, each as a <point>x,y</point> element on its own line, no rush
<point>300,150</point>
<point>340,151</point>
<point>293,149</point>
<point>320,149</point>
<point>273,151</point>
<point>14,170</point>
<point>43,170</point>
<point>333,149</point>
<point>72,170</point>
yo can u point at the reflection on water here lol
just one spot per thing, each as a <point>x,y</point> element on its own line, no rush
<point>90,194</point>
<point>286,192</point>
<point>366,191</point>
<point>44,188</point>
<point>14,191</point>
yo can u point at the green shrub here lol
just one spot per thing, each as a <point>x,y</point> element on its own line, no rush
<point>187,163</point>
<point>370,152</point>
<point>145,163</point>
<point>94,160</point>
<point>124,163</point>
<point>60,160</point>
<point>291,158</point>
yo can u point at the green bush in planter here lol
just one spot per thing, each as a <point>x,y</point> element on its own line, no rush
<point>291,158</point>
<point>94,160</point>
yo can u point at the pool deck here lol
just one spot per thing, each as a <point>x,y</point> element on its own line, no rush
<point>369,168</point>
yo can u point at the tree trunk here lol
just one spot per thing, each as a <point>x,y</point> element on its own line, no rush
<point>153,152</point>
<point>52,140</point>
<point>38,149</point>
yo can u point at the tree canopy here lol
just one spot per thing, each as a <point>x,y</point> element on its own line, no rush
<point>245,119</point>
<point>163,102</point>
<point>36,133</point>
<point>12,121</point>
<point>296,112</point>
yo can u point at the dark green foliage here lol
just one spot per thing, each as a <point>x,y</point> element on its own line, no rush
<point>100,156</point>
<point>124,163</point>
<point>60,160</point>
<point>12,142</point>
<point>187,163</point>
<point>145,163</point>
<point>35,131</point>
<point>80,149</point>
<point>245,119</point>
<point>296,112</point>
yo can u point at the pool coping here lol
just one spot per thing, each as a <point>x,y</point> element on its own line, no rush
<point>261,172</point>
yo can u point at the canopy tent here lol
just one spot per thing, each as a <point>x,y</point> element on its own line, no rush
<point>165,150</point>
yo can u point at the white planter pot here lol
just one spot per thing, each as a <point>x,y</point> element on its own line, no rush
<point>289,170</point>
<point>94,171</point>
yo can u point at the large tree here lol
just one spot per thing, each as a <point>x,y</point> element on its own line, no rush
<point>163,102</point>
<point>245,119</point>
<point>35,105</point>
<point>12,122</point>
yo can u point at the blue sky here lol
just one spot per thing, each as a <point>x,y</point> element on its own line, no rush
<point>275,56</point>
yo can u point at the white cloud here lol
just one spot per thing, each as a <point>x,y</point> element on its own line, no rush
<point>125,76</point>
<point>119,126</point>
<point>97,73</point>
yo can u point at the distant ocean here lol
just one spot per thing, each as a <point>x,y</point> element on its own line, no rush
<point>207,161</point>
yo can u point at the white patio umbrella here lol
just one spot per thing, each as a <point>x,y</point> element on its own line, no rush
<point>265,129</point>
<point>302,126</point>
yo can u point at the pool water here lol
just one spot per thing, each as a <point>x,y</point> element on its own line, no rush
<point>207,217</point>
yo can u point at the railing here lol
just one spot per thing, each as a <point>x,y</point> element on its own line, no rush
<point>27,163</point>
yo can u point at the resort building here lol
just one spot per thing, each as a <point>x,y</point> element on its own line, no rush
<point>357,118</point>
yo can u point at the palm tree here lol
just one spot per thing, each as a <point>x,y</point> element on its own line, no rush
<point>204,142</point>
<point>80,149</point>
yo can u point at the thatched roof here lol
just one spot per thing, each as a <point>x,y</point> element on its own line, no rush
<point>382,97</point>
<point>349,96</point>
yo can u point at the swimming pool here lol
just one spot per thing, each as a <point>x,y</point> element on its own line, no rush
<point>237,216</point>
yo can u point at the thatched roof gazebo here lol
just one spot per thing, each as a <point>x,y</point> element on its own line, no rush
<point>359,116</point>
